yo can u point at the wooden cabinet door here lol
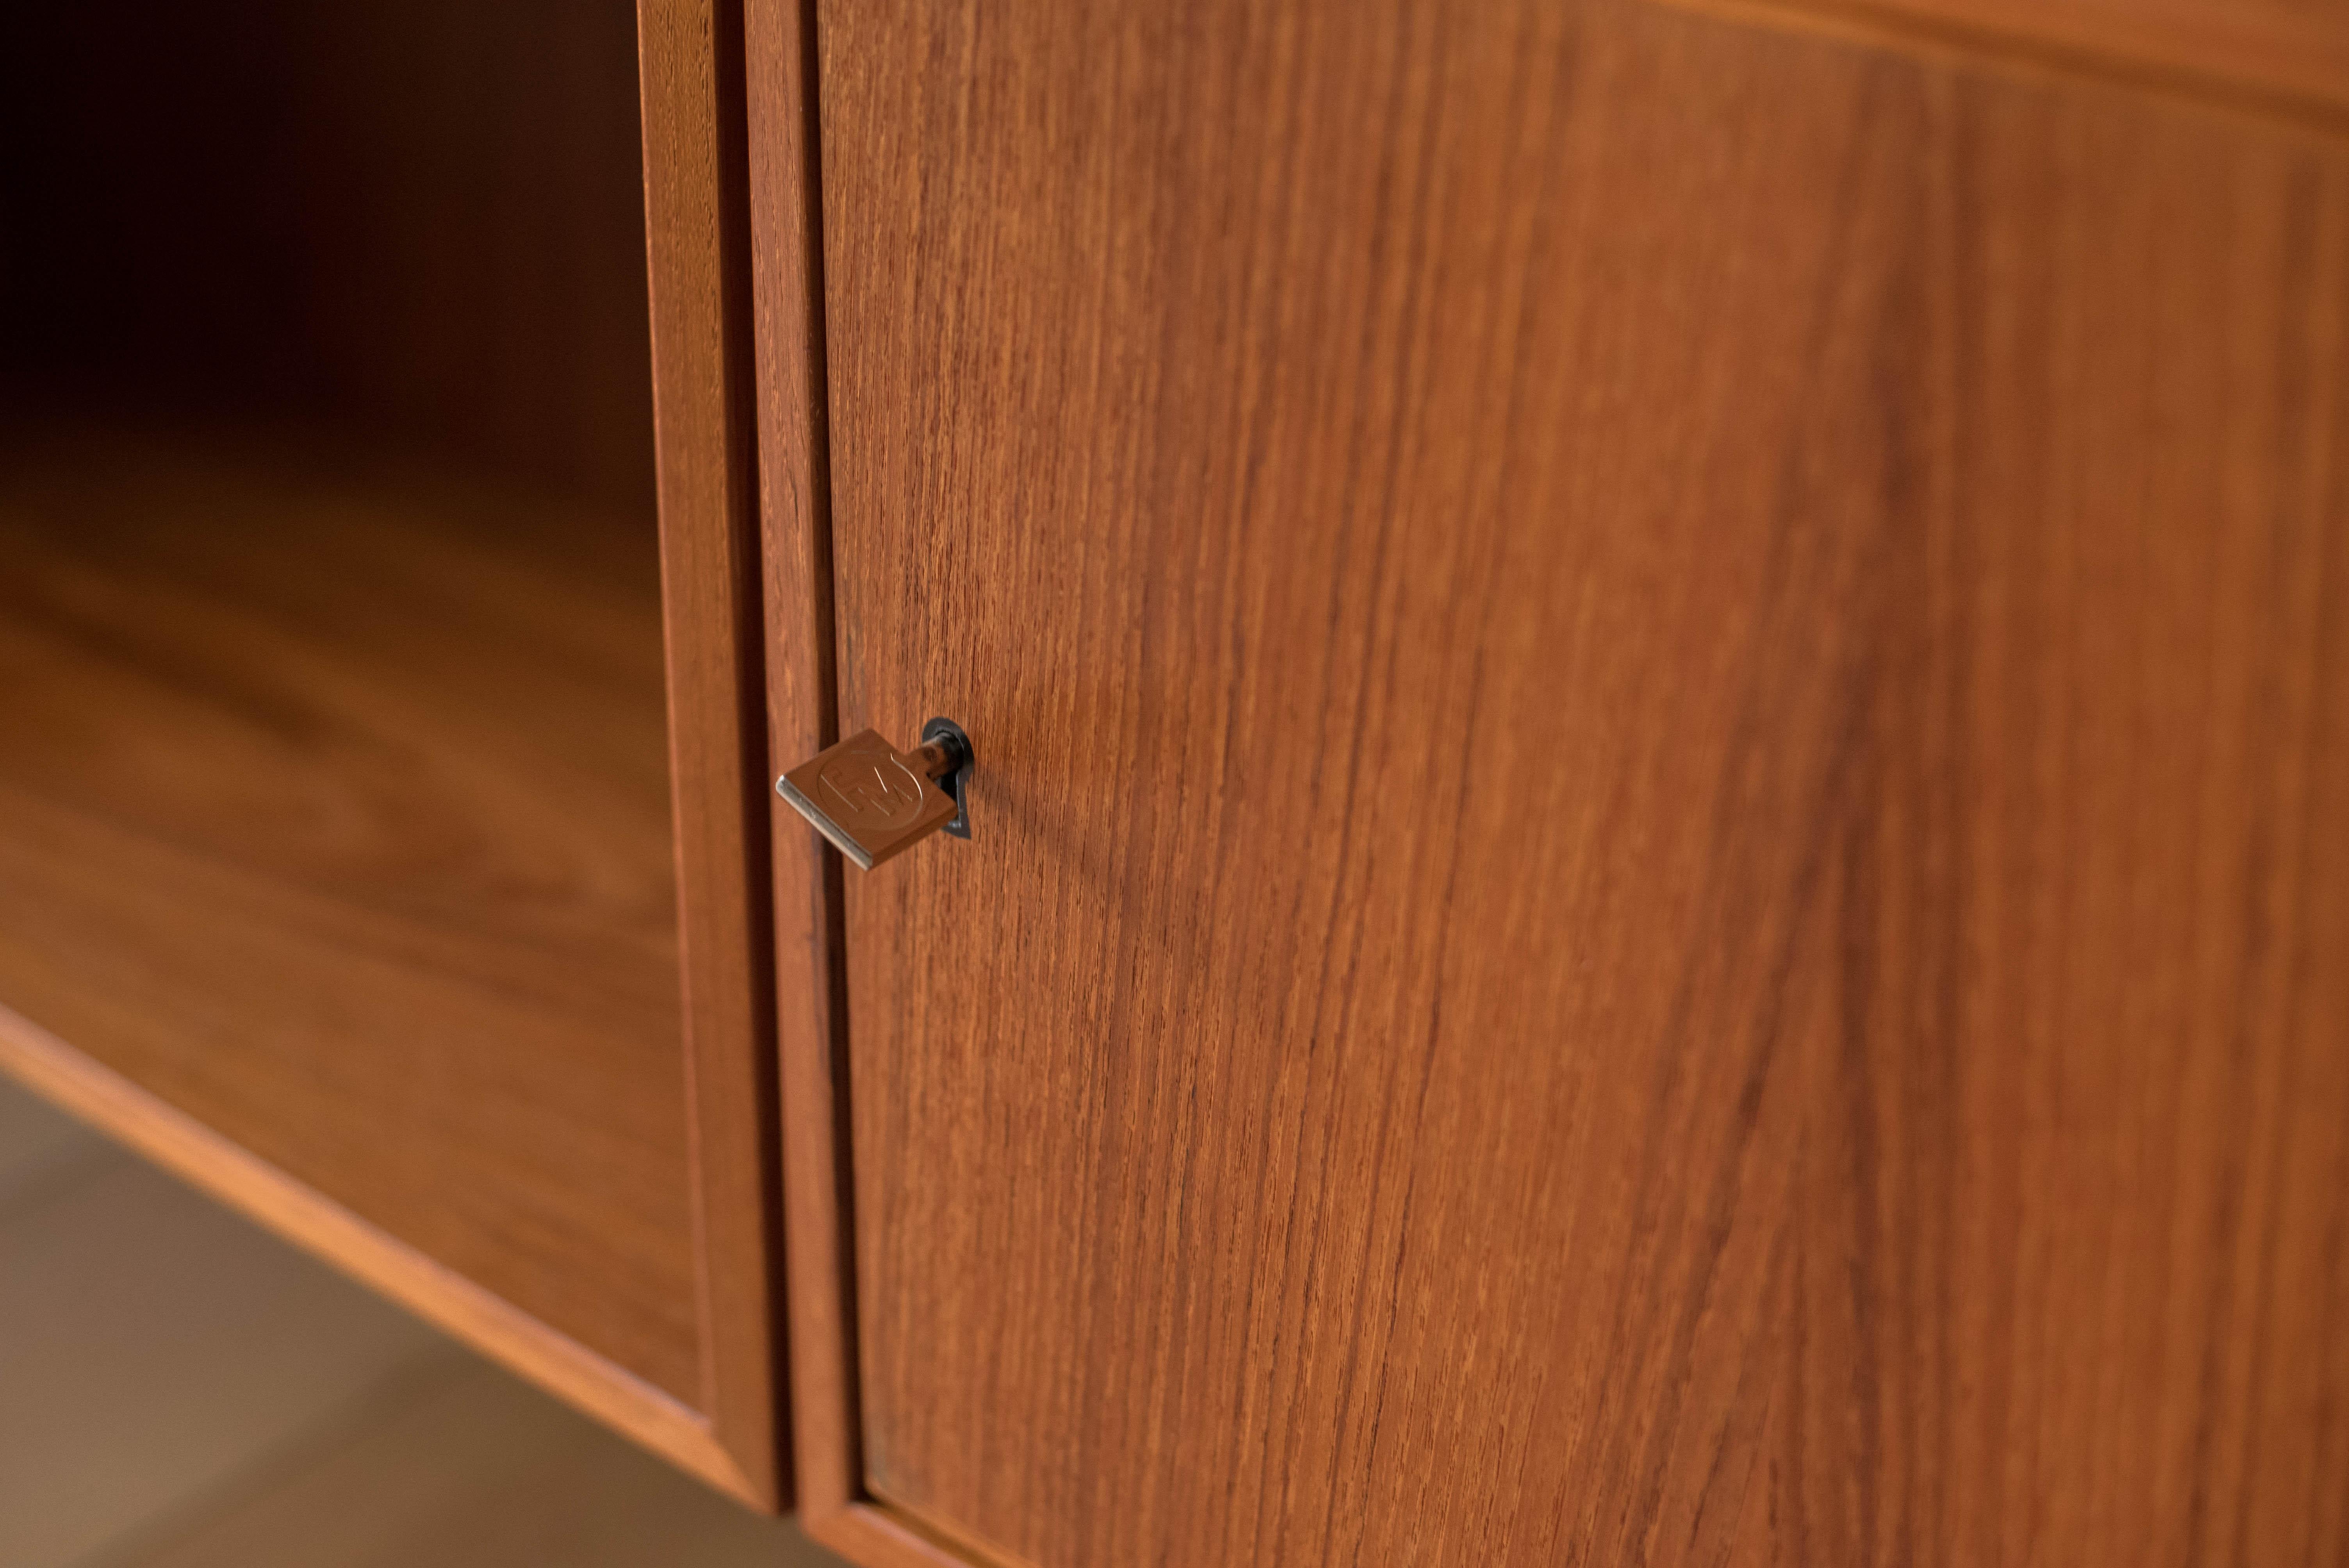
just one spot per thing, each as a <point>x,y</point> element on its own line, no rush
<point>1660,852</point>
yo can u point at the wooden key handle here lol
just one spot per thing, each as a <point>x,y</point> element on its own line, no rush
<point>873,801</point>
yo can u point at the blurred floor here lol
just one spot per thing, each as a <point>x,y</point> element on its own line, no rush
<point>179,1390</point>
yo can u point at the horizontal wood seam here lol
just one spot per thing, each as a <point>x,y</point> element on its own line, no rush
<point>876,1535</point>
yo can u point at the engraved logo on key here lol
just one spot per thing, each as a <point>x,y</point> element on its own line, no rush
<point>871,790</point>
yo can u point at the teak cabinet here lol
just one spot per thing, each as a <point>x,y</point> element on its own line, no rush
<point>347,864</point>
<point>1660,861</point>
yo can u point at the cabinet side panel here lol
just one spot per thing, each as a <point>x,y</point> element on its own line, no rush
<point>697,209</point>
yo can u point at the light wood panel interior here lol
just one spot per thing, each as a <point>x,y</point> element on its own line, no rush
<point>338,775</point>
<point>1662,832</point>
<point>338,816</point>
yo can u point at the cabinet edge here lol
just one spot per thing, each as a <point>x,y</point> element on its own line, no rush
<point>698,262</point>
<point>177,1142</point>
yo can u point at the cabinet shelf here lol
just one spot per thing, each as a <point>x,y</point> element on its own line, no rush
<point>334,812</point>
<point>382,797</point>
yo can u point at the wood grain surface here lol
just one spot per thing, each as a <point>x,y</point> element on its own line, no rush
<point>697,223</point>
<point>338,818</point>
<point>1661,849</point>
<point>787,253</point>
<point>2286,56</point>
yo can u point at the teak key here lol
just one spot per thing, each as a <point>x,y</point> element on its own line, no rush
<point>874,801</point>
